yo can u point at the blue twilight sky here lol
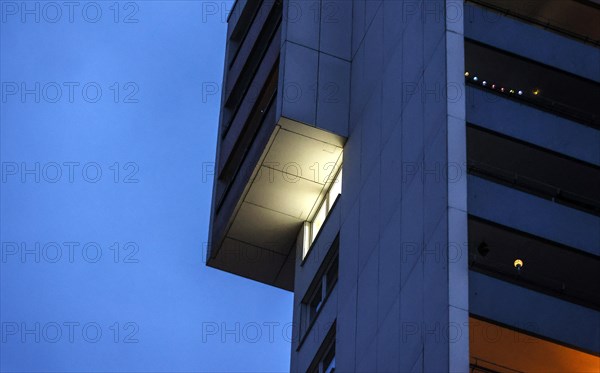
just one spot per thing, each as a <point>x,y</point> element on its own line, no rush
<point>119,253</point>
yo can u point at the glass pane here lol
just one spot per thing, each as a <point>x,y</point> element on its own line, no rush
<point>318,220</point>
<point>306,239</point>
<point>335,189</point>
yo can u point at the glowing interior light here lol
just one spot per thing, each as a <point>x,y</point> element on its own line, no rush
<point>502,89</point>
<point>312,228</point>
<point>512,91</point>
<point>536,92</point>
<point>493,86</point>
<point>467,73</point>
<point>518,263</point>
<point>475,79</point>
<point>520,93</point>
<point>484,83</point>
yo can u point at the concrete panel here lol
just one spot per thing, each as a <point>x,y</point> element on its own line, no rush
<point>532,125</point>
<point>358,92</point>
<point>391,176</point>
<point>366,326</point>
<point>373,42</point>
<point>303,20</point>
<point>371,134</point>
<point>411,230</point>
<point>458,336</point>
<point>349,248</point>
<point>371,9</point>
<point>299,83</point>
<point>333,107</point>
<point>369,215</point>
<point>456,172</point>
<point>389,265</point>
<point>352,171</point>
<point>455,73</point>
<point>435,185</point>
<point>458,259</point>
<point>336,28</point>
<point>434,27</point>
<point>412,141</point>
<point>435,305</point>
<point>413,65</point>
<point>388,337</point>
<point>394,22</point>
<point>368,361</point>
<point>531,214</point>
<point>433,93</point>
<point>345,344</point>
<point>358,24</point>
<point>411,320</point>
<point>392,94</point>
<point>534,312</point>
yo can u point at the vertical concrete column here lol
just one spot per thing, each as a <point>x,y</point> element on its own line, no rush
<point>458,271</point>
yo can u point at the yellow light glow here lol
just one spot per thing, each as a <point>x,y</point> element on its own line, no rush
<point>518,263</point>
<point>536,92</point>
<point>467,73</point>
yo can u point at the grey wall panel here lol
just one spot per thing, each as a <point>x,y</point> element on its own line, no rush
<point>390,251</point>
<point>388,337</point>
<point>303,22</point>
<point>336,28</point>
<point>366,315</point>
<point>534,215</point>
<point>333,106</point>
<point>369,215</point>
<point>533,125</point>
<point>299,83</point>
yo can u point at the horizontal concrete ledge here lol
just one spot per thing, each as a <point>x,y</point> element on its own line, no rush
<point>527,213</point>
<point>531,41</point>
<point>534,312</point>
<point>532,125</point>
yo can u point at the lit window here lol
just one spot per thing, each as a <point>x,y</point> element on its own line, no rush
<point>335,189</point>
<point>318,221</point>
<point>311,230</point>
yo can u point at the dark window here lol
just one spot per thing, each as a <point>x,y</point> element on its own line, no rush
<point>533,169</point>
<point>314,306</point>
<point>547,267</point>
<point>324,360</point>
<point>319,290</point>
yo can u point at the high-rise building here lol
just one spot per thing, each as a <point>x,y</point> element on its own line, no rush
<point>424,175</point>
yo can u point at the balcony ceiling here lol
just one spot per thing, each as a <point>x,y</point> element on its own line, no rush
<point>284,190</point>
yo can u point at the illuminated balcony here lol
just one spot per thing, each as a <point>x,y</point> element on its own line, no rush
<point>288,186</point>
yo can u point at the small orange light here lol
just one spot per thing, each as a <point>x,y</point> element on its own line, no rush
<point>467,73</point>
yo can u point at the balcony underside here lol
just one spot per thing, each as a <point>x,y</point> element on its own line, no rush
<point>283,192</point>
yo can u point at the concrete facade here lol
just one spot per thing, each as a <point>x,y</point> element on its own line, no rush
<point>386,81</point>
